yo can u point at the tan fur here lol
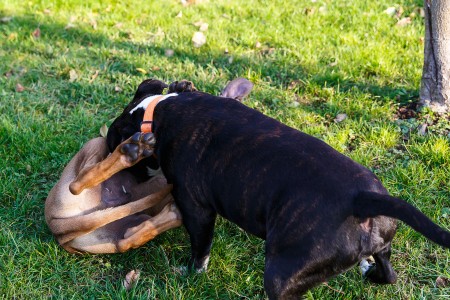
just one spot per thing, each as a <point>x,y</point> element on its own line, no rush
<point>84,223</point>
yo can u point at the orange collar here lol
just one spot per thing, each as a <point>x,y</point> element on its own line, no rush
<point>146,124</point>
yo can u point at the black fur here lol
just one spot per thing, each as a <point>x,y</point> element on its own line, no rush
<point>319,211</point>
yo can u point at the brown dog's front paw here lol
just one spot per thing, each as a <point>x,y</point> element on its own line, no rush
<point>182,86</point>
<point>138,146</point>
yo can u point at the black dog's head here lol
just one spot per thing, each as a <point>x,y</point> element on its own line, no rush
<point>128,124</point>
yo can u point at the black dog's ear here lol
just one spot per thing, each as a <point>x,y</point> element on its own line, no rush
<point>237,89</point>
<point>149,87</point>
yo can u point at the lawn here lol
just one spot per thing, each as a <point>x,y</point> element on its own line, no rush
<point>347,72</point>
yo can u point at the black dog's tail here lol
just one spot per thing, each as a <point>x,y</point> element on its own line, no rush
<point>370,204</point>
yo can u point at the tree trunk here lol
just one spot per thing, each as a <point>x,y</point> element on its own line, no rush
<point>435,87</point>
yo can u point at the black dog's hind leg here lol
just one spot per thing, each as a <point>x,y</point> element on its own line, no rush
<point>199,223</point>
<point>382,272</point>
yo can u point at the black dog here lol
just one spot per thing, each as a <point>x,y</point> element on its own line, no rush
<point>319,211</point>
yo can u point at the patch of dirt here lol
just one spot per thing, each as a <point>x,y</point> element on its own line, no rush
<point>407,112</point>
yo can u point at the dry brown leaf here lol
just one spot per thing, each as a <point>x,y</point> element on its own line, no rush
<point>204,27</point>
<point>390,11</point>
<point>5,19</point>
<point>403,22</point>
<point>94,76</point>
<point>37,33</point>
<point>12,36</point>
<point>19,88</point>
<point>141,70</point>
<point>69,26</point>
<point>73,75</point>
<point>442,282</point>
<point>9,73</point>
<point>103,130</point>
<point>399,12</point>
<point>131,279</point>
<point>422,130</point>
<point>169,52</point>
<point>340,117</point>
<point>199,39</point>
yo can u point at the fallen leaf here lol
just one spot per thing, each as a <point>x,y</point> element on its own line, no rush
<point>390,11</point>
<point>103,130</point>
<point>204,27</point>
<point>19,88</point>
<point>340,117</point>
<point>322,9</point>
<point>47,11</point>
<point>28,168</point>
<point>399,12</point>
<point>422,130</point>
<point>9,73</point>
<point>37,33</point>
<point>257,45</point>
<point>93,22</point>
<point>130,279</point>
<point>6,19</point>
<point>94,76</point>
<point>421,12</point>
<point>199,39</point>
<point>73,75</point>
<point>117,89</point>
<point>12,36</point>
<point>156,68</point>
<point>140,70</point>
<point>190,2</point>
<point>180,14</point>
<point>442,282</point>
<point>69,26</point>
<point>169,52</point>
<point>118,25</point>
<point>403,22</point>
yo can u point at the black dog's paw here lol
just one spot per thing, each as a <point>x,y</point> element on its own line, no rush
<point>182,86</point>
<point>138,146</point>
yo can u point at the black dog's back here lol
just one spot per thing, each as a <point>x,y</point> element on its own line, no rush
<point>245,163</point>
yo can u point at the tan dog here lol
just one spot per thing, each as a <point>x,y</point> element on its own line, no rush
<point>98,206</point>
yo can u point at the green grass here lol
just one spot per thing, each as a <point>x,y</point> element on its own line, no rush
<point>328,57</point>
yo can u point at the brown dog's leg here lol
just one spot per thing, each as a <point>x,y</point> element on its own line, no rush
<point>126,154</point>
<point>135,237</point>
<point>66,229</point>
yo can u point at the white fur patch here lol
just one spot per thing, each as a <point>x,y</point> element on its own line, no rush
<point>144,103</point>
<point>151,172</point>
<point>365,265</point>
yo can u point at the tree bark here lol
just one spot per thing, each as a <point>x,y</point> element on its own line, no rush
<point>435,86</point>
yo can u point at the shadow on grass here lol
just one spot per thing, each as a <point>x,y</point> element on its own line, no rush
<point>268,65</point>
